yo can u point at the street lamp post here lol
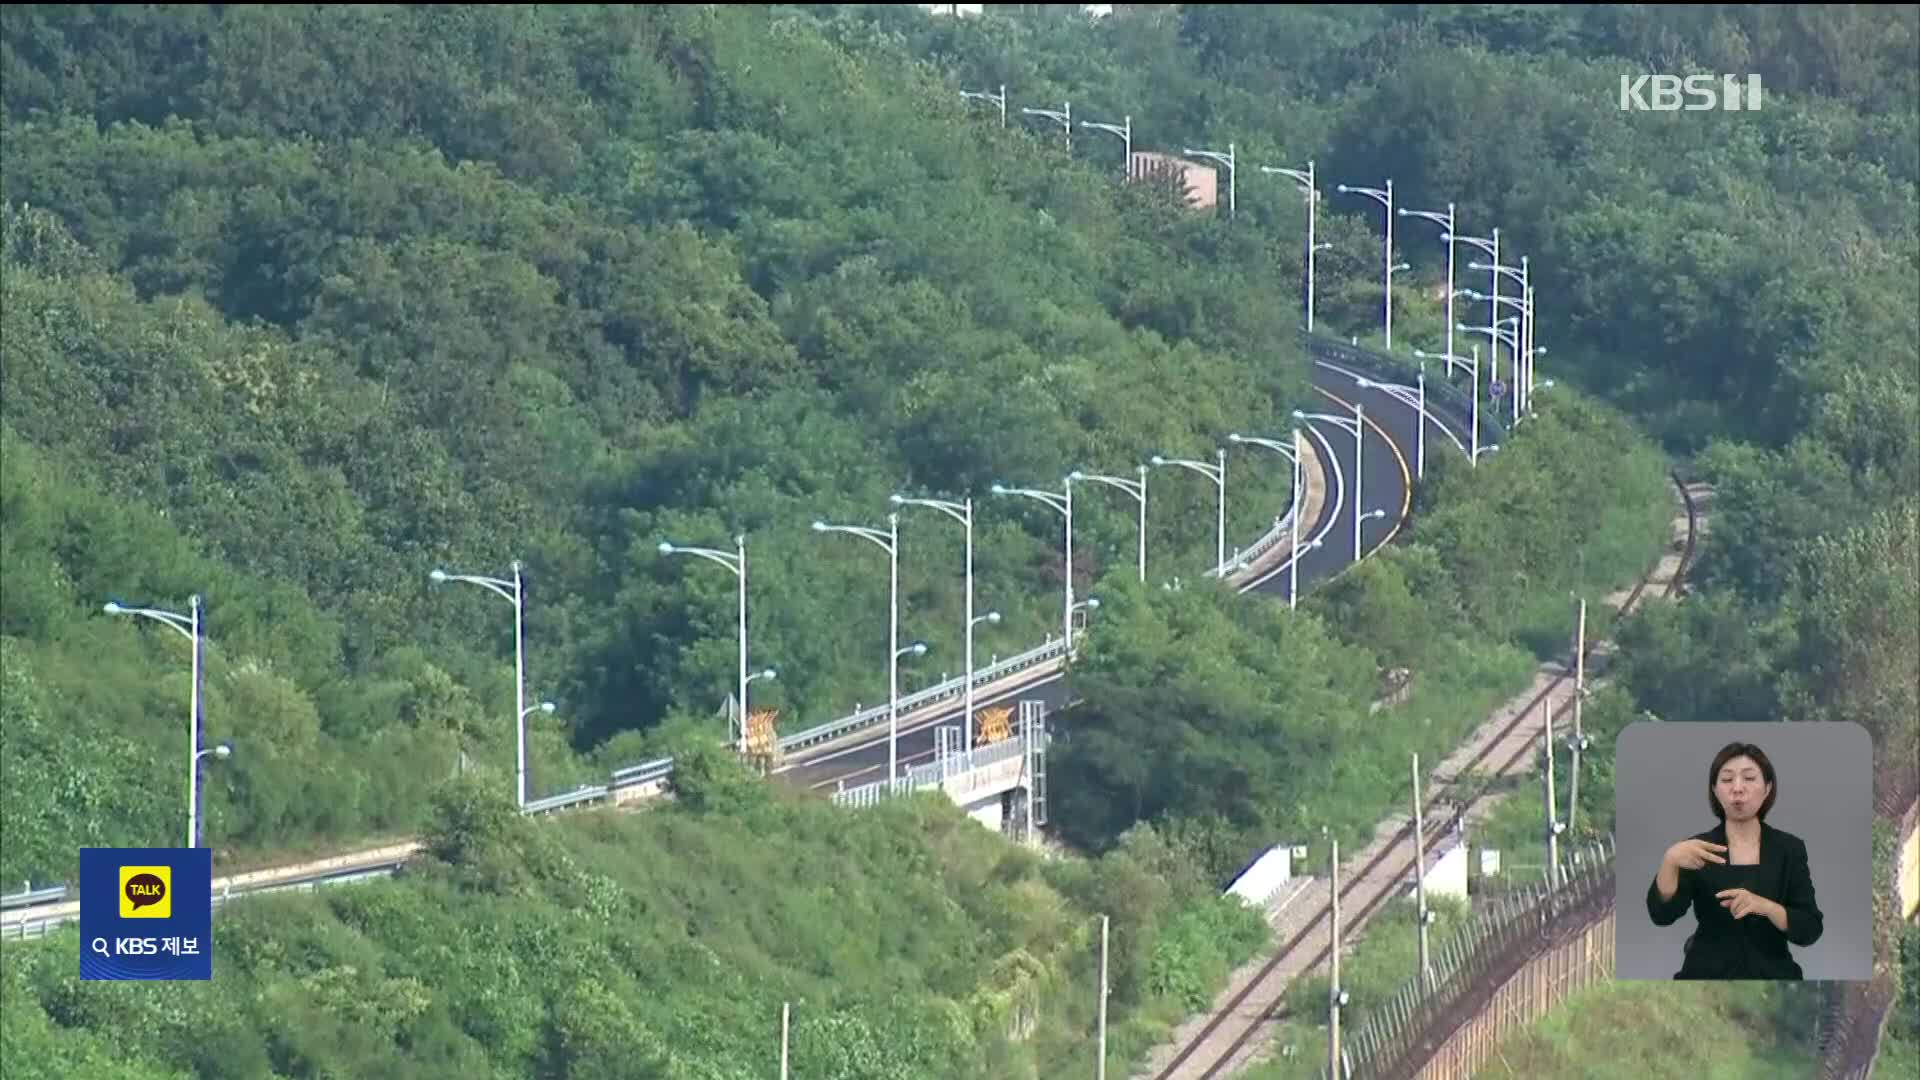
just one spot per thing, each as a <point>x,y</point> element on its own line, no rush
<point>1533,320</point>
<point>1420,450</point>
<point>1473,456</point>
<point>736,562</point>
<point>1064,119</point>
<point>1137,489</point>
<point>993,617</point>
<point>1524,331</point>
<point>1498,335</point>
<point>1124,131</point>
<point>188,624</point>
<point>990,97</point>
<point>1306,182</point>
<point>1292,453</point>
<point>1226,159</point>
<point>1519,341</point>
<point>889,542</point>
<point>1293,569</point>
<point>514,594</point>
<point>1491,245</point>
<point>223,752</point>
<point>1063,503</point>
<point>1218,474</point>
<point>1357,426</point>
<point>1445,222</point>
<point>961,512</point>
<point>1384,198</point>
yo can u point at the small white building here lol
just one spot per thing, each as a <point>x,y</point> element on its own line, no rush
<point>1262,878</point>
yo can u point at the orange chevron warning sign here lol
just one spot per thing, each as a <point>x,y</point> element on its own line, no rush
<point>763,741</point>
<point>995,725</point>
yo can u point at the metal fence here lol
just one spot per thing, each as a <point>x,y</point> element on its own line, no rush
<point>1443,397</point>
<point>1507,929</point>
<point>933,775</point>
<point>41,927</point>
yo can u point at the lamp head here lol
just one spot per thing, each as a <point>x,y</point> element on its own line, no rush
<point>113,608</point>
<point>546,706</point>
<point>224,750</point>
<point>1076,475</point>
<point>438,575</point>
<point>1342,188</point>
<point>1093,602</point>
<point>999,489</point>
<point>1158,460</point>
<point>919,648</point>
<point>819,526</point>
<point>993,617</point>
<point>897,499</point>
<point>1233,437</point>
<point>1299,415</point>
<point>769,674</point>
<point>666,548</point>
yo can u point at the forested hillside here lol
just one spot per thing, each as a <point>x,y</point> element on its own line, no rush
<point>299,304</point>
<point>907,941</point>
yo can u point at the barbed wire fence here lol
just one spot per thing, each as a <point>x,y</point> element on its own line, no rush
<point>1481,957</point>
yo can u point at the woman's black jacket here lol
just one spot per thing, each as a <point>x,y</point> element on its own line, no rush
<point>1750,948</point>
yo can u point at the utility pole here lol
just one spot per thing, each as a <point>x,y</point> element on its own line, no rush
<point>1333,994</point>
<point>1419,877</point>
<point>1579,691</point>
<point>1100,1069</point>
<point>786,1008</point>
<point>1553,832</point>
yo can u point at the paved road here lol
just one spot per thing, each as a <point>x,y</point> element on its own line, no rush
<point>1387,455</point>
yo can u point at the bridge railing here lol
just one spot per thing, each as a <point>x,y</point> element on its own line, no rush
<point>932,775</point>
<point>1442,394</point>
<point>953,688</point>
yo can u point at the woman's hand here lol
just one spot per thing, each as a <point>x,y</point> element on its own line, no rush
<point>1694,854</point>
<point>1740,903</point>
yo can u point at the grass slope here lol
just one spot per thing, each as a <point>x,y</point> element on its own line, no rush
<point>911,942</point>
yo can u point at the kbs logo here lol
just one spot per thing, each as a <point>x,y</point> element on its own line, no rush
<point>146,892</point>
<point>1662,93</point>
<point>146,913</point>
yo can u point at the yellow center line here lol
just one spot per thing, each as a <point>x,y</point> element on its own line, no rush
<point>1406,475</point>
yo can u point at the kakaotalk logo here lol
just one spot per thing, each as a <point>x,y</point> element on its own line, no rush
<point>145,892</point>
<point>1701,93</point>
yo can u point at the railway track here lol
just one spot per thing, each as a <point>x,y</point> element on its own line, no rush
<point>1229,1037</point>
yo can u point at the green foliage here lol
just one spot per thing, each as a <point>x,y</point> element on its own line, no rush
<point>909,941</point>
<point>299,304</point>
<point>307,304</point>
<point>709,779</point>
<point>1668,1021</point>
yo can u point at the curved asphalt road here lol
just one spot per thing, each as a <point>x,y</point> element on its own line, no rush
<point>1388,458</point>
